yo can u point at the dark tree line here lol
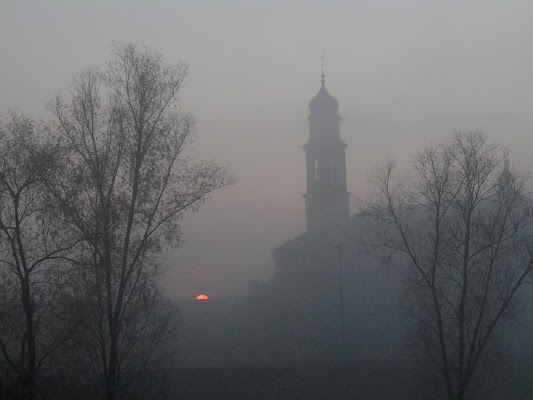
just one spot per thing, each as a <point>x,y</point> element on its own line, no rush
<point>461,224</point>
<point>88,200</point>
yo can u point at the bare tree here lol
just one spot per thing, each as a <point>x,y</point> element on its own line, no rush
<point>461,224</point>
<point>32,254</point>
<point>129,183</point>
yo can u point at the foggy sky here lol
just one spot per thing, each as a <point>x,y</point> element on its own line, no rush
<point>404,73</point>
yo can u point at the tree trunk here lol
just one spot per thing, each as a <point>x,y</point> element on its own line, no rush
<point>111,379</point>
<point>30,379</point>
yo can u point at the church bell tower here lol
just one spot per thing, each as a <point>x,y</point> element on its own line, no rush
<point>327,198</point>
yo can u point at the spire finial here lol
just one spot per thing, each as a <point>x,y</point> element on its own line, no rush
<point>323,76</point>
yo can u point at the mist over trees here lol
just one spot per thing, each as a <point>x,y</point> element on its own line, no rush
<point>92,196</point>
<point>88,202</point>
<point>460,224</point>
<point>34,257</point>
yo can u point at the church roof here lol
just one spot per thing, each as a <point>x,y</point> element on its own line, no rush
<point>323,101</point>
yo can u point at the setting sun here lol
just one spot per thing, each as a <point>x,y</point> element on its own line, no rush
<point>202,297</point>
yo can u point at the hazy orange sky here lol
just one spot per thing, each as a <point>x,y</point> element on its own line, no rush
<point>404,73</point>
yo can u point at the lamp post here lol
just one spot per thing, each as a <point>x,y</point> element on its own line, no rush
<point>339,247</point>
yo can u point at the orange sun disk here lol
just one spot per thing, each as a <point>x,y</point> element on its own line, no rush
<point>202,297</point>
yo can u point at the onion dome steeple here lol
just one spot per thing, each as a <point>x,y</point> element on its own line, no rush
<point>327,198</point>
<point>323,101</point>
